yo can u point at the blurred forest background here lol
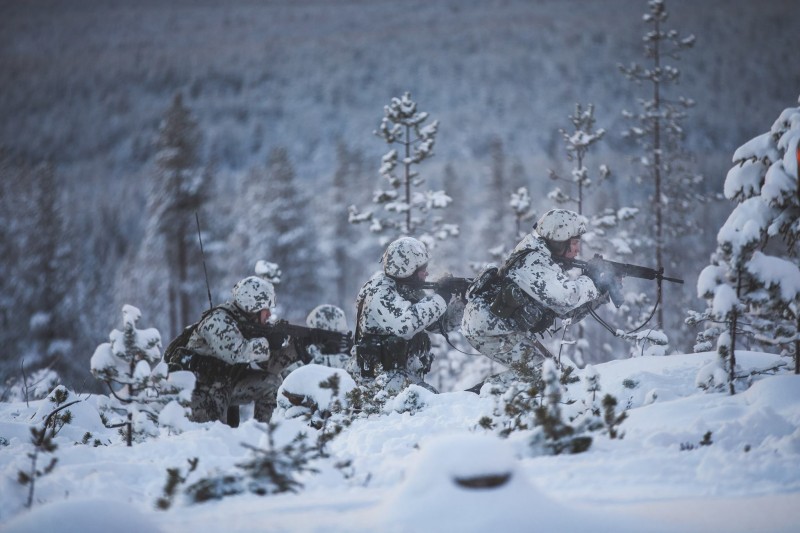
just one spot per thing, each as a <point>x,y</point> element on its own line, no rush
<point>122,119</point>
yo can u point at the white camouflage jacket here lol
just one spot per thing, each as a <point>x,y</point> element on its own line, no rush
<point>218,336</point>
<point>544,280</point>
<point>385,311</point>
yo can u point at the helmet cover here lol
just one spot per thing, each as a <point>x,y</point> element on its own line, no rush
<point>404,256</point>
<point>561,225</point>
<point>252,294</point>
<point>327,317</point>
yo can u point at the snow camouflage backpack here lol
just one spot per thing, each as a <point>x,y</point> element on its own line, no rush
<point>507,300</point>
<point>176,350</point>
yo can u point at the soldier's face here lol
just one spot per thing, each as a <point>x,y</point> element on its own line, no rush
<point>574,248</point>
<point>263,316</point>
<point>422,273</point>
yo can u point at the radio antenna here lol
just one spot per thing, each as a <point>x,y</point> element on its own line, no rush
<point>203,254</point>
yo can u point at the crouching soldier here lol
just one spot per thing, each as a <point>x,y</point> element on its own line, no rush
<point>509,307</point>
<point>232,370</point>
<point>393,315</point>
<point>329,318</point>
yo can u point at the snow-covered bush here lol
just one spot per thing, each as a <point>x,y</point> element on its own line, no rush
<point>26,388</point>
<point>552,435</point>
<point>142,397</point>
<point>752,285</point>
<point>270,469</point>
<point>314,392</point>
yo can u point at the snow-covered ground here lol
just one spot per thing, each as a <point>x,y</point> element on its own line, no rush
<point>406,467</point>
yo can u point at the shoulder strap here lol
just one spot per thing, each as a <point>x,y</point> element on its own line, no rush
<point>360,308</point>
<point>515,258</point>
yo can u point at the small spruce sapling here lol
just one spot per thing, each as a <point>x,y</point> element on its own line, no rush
<point>174,480</point>
<point>138,393</point>
<point>42,440</point>
<point>552,434</point>
<point>42,444</point>
<point>269,470</point>
<point>611,419</point>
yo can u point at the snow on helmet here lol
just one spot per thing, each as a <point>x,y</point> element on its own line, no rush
<point>253,294</point>
<point>561,225</point>
<point>328,317</point>
<point>404,256</point>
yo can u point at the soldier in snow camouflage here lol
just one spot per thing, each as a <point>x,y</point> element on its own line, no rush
<point>230,369</point>
<point>530,290</point>
<point>331,318</point>
<point>392,317</point>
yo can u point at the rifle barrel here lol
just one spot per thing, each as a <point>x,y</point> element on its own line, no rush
<point>634,271</point>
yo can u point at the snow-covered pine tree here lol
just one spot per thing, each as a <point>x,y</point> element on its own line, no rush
<point>753,282</point>
<point>274,228</point>
<point>609,233</point>
<point>291,240</point>
<point>578,141</point>
<point>449,253</point>
<point>142,397</point>
<point>39,271</point>
<point>495,231</point>
<point>657,130</point>
<point>407,211</point>
<point>609,229</point>
<point>520,204</point>
<point>168,266</point>
<point>340,238</point>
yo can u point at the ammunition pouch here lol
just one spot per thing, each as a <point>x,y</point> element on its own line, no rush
<point>390,352</point>
<point>512,303</point>
<point>485,282</point>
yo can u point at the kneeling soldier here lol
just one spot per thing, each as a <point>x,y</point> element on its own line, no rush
<point>392,316</point>
<point>232,370</point>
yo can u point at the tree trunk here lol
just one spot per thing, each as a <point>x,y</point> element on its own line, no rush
<point>657,168</point>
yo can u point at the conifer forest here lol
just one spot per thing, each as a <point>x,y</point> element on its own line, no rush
<point>132,131</point>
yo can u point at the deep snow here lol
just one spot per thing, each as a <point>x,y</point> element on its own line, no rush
<point>404,466</point>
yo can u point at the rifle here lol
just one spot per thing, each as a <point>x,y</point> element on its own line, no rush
<point>457,286</point>
<point>597,267</point>
<point>329,342</point>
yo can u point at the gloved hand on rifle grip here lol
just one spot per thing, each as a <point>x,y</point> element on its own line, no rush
<point>444,288</point>
<point>599,274</point>
<point>615,291</point>
<point>445,291</point>
<point>257,351</point>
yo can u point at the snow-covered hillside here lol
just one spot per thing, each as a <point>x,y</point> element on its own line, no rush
<point>406,469</point>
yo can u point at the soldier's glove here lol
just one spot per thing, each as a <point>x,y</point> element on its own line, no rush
<point>445,292</point>
<point>599,274</point>
<point>605,281</point>
<point>615,291</point>
<point>444,288</point>
<point>258,350</point>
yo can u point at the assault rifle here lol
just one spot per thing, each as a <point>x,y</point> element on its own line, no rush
<point>329,342</point>
<point>453,285</point>
<point>598,268</point>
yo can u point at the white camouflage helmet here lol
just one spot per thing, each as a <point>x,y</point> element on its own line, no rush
<point>404,256</point>
<point>561,225</point>
<point>253,294</point>
<point>327,317</point>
